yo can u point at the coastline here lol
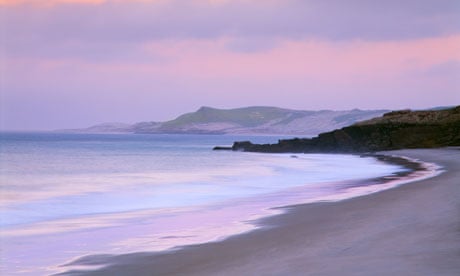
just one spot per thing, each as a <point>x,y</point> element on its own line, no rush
<point>410,229</point>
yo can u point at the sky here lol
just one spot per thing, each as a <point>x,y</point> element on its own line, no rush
<point>76,63</point>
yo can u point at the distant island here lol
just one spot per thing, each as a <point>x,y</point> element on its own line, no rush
<point>394,130</point>
<point>246,120</point>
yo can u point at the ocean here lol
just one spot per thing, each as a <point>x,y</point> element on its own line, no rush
<point>64,196</point>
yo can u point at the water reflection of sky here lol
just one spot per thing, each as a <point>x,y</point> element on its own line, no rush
<point>76,195</point>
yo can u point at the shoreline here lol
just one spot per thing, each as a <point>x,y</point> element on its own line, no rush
<point>325,238</point>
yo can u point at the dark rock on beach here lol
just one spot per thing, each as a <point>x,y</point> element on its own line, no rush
<point>394,130</point>
<point>222,148</point>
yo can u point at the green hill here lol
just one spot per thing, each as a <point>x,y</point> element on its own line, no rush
<point>260,119</point>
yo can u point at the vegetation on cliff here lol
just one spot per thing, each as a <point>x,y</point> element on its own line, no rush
<point>394,130</point>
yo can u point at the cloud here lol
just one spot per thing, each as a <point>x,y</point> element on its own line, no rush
<point>303,58</point>
<point>317,65</point>
<point>89,25</point>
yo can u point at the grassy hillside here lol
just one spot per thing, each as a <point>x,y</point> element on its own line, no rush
<point>263,119</point>
<point>244,117</point>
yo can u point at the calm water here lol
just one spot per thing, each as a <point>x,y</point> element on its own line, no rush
<point>68,195</point>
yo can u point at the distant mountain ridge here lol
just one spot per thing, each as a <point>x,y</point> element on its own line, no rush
<point>245,120</point>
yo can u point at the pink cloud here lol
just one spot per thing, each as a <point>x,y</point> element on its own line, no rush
<point>296,59</point>
<point>320,61</point>
<point>325,64</point>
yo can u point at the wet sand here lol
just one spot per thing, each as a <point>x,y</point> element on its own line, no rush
<point>413,229</point>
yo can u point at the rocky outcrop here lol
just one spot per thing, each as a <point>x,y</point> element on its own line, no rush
<point>394,130</point>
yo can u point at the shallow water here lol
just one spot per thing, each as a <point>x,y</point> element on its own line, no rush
<point>68,195</point>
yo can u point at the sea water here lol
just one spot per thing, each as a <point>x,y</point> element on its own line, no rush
<point>64,196</point>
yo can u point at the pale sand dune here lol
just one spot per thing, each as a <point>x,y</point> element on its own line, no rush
<point>410,230</point>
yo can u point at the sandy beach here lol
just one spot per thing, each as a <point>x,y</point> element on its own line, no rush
<point>413,229</point>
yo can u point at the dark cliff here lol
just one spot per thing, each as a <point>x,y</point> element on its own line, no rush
<point>394,130</point>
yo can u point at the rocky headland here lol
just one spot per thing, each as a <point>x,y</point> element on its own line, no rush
<point>403,129</point>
